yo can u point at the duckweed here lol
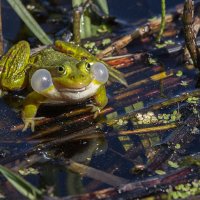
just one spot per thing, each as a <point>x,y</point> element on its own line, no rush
<point>151,118</point>
<point>177,146</point>
<point>28,171</point>
<point>152,61</point>
<point>193,100</point>
<point>160,172</point>
<point>106,41</point>
<point>184,83</point>
<point>173,164</point>
<point>179,73</point>
<point>122,122</point>
<point>166,43</point>
<point>184,190</point>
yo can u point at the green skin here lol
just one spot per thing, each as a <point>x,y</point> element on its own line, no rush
<point>69,74</point>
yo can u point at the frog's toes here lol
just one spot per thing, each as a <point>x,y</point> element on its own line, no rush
<point>95,109</point>
<point>29,122</point>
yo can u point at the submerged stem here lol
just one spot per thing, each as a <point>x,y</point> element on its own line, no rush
<point>76,25</point>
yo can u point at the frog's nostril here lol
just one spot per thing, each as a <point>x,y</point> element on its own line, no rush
<point>72,77</point>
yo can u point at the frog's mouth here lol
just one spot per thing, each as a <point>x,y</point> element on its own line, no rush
<point>72,89</point>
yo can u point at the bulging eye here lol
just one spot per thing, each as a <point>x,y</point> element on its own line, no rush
<point>100,72</point>
<point>60,69</point>
<point>88,66</point>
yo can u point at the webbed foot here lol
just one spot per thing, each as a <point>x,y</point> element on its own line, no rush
<point>30,122</point>
<point>95,109</point>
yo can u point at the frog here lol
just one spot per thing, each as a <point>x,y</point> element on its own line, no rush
<point>62,73</point>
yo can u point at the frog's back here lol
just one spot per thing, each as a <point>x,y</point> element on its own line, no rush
<point>49,57</point>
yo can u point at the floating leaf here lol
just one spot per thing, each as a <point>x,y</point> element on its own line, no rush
<point>177,146</point>
<point>184,83</point>
<point>152,61</point>
<point>27,171</point>
<point>160,172</point>
<point>173,164</point>
<point>106,41</point>
<point>179,73</point>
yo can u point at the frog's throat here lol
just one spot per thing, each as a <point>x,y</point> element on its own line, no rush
<point>68,95</point>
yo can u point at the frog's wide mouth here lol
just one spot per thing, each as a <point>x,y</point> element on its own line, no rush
<point>75,89</point>
<point>72,89</point>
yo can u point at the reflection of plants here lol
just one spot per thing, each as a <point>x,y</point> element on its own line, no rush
<point>29,21</point>
<point>86,23</point>
<point>24,187</point>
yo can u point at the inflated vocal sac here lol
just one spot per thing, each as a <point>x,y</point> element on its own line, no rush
<point>41,80</point>
<point>100,72</point>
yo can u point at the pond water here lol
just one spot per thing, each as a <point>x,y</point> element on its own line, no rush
<point>109,149</point>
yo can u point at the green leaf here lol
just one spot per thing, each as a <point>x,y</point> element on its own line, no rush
<point>173,164</point>
<point>179,73</point>
<point>29,21</point>
<point>177,146</point>
<point>160,172</point>
<point>24,187</point>
<point>103,6</point>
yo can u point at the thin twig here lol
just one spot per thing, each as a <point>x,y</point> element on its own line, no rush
<point>149,129</point>
<point>148,28</point>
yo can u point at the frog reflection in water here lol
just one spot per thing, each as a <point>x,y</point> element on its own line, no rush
<point>54,76</point>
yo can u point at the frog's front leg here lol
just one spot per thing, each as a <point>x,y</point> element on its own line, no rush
<point>100,101</point>
<point>30,107</point>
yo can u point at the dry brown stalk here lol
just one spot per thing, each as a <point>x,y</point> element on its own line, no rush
<point>149,28</point>
<point>96,174</point>
<point>149,129</point>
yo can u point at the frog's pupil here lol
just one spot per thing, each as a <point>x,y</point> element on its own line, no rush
<point>60,69</point>
<point>88,66</point>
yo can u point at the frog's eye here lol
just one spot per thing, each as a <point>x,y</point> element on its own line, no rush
<point>88,66</point>
<point>41,80</point>
<point>60,69</point>
<point>100,72</point>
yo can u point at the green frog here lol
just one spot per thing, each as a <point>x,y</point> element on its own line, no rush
<point>63,73</point>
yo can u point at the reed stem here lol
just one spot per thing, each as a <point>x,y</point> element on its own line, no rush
<point>162,26</point>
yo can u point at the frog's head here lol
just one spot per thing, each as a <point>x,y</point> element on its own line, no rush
<point>72,77</point>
